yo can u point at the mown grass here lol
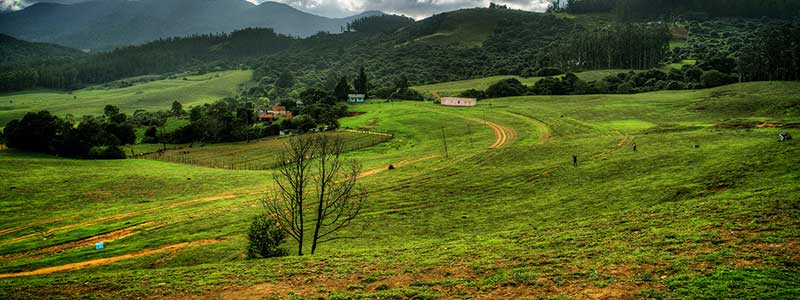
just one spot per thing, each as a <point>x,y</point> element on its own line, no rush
<point>700,212</point>
<point>153,95</point>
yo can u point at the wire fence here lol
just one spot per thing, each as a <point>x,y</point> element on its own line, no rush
<point>264,163</point>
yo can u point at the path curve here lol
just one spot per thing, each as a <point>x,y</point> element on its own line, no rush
<point>504,135</point>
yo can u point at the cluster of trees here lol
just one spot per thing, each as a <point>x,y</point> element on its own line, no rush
<point>93,137</point>
<point>688,77</point>
<point>380,24</point>
<point>198,52</point>
<point>642,9</point>
<point>620,46</point>
<point>772,54</point>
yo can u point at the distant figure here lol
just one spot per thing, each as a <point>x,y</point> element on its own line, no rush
<point>634,148</point>
<point>574,161</point>
<point>785,136</point>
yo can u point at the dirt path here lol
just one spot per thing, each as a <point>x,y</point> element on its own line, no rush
<point>626,139</point>
<point>37,223</point>
<point>90,241</point>
<point>504,135</point>
<point>109,260</point>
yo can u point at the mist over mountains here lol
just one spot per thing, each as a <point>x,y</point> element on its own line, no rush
<point>106,24</point>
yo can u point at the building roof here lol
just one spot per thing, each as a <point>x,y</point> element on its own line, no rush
<point>265,116</point>
<point>355,95</point>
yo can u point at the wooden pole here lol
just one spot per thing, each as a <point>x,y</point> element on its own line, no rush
<point>444,141</point>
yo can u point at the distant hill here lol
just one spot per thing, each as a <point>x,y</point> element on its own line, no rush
<point>14,51</point>
<point>106,24</point>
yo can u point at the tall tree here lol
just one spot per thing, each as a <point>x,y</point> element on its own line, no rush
<point>342,89</point>
<point>361,85</point>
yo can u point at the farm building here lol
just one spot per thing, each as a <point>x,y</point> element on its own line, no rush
<point>356,98</point>
<point>454,101</point>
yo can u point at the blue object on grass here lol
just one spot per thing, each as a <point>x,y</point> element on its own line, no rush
<point>99,246</point>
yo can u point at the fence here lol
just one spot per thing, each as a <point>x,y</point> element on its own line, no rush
<point>257,166</point>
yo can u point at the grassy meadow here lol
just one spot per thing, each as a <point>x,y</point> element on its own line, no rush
<point>706,209</point>
<point>152,95</point>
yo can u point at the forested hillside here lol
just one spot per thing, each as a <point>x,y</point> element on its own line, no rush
<point>106,24</point>
<point>14,51</point>
<point>643,9</point>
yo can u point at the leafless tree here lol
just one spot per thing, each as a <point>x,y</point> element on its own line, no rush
<point>338,200</point>
<point>291,176</point>
<point>313,176</point>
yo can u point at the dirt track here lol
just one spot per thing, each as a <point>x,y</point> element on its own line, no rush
<point>504,135</point>
<point>105,261</point>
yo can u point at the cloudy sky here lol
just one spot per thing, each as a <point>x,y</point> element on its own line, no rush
<point>340,8</point>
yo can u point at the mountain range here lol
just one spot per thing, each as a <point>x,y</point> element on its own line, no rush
<point>107,24</point>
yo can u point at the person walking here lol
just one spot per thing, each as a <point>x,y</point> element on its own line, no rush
<point>634,148</point>
<point>574,161</point>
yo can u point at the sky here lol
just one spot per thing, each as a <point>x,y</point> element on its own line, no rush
<point>417,9</point>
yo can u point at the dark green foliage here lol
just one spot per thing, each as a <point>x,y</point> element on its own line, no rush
<point>265,238</point>
<point>506,88</point>
<point>177,109</point>
<point>772,54</point>
<point>34,132</point>
<point>550,86</point>
<point>625,46</point>
<point>361,84</point>
<point>380,23</point>
<point>92,138</point>
<point>549,71</point>
<point>342,89</point>
<point>473,93</point>
<point>715,78</point>
<point>17,52</point>
<point>641,9</point>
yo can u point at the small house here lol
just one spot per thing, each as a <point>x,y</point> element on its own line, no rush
<point>356,98</point>
<point>279,110</point>
<point>266,118</point>
<point>455,101</point>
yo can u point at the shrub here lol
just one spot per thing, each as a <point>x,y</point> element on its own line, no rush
<point>265,238</point>
<point>473,93</point>
<point>506,88</point>
<point>625,88</point>
<point>406,94</point>
<point>715,78</point>
<point>109,152</point>
<point>548,72</point>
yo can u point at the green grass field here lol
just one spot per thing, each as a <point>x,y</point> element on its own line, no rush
<point>706,209</point>
<point>153,95</point>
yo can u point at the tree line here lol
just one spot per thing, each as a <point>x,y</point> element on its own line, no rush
<point>93,137</point>
<point>618,46</point>
<point>647,9</point>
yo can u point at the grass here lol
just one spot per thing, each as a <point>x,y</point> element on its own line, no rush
<point>700,212</point>
<point>152,95</point>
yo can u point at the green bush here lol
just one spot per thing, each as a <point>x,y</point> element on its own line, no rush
<point>714,78</point>
<point>506,88</point>
<point>473,93</point>
<point>265,238</point>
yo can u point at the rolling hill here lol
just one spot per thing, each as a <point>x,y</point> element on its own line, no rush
<point>105,24</point>
<point>706,209</point>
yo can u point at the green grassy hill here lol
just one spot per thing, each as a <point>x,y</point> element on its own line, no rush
<point>153,95</point>
<point>706,209</point>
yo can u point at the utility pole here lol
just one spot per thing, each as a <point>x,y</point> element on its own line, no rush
<point>469,133</point>
<point>444,141</point>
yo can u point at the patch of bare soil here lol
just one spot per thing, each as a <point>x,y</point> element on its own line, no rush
<point>768,125</point>
<point>109,260</point>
